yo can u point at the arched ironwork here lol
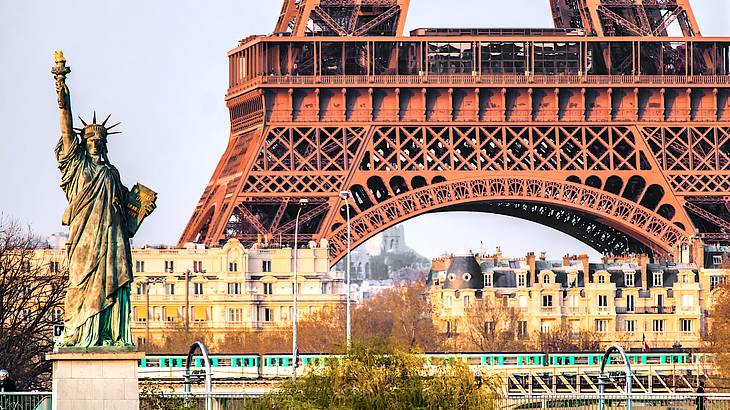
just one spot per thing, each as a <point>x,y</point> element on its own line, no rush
<point>629,375</point>
<point>198,345</point>
<point>613,210</point>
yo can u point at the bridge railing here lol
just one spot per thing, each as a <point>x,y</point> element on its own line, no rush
<point>553,401</point>
<point>617,401</point>
<point>25,401</point>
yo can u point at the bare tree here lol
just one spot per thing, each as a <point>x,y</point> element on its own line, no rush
<point>563,339</point>
<point>719,335</point>
<point>31,296</point>
<point>492,327</point>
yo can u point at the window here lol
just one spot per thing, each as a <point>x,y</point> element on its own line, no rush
<point>657,326</point>
<point>56,315</point>
<point>169,266</point>
<point>139,266</point>
<point>26,314</point>
<point>547,300</point>
<point>55,267</point>
<point>603,301</point>
<point>601,279</point>
<point>489,328</point>
<point>629,303</point>
<point>630,326</point>
<point>601,325</point>
<point>466,301</point>
<point>268,317</point>
<point>169,288</point>
<point>716,281</point>
<point>25,267</point>
<point>266,266</point>
<point>141,288</point>
<point>546,279</point>
<point>233,267</point>
<point>630,279</point>
<point>198,266</point>
<point>235,315</point>
<point>717,260</point>
<point>688,301</point>
<point>522,329</point>
<point>685,325</point>
<point>522,280</point>
<point>545,326</point>
<point>324,288</point>
<point>268,288</point>
<point>234,288</point>
<point>197,288</point>
<point>284,313</point>
<point>658,280</point>
<point>488,280</point>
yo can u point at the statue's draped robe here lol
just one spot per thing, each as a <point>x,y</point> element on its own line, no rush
<point>100,262</point>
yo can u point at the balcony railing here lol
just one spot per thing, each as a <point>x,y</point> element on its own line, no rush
<point>487,79</point>
<point>490,115</point>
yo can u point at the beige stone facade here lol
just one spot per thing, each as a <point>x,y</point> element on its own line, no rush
<point>622,300</point>
<point>229,288</point>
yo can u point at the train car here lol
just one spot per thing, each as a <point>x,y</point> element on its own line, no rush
<point>222,366</point>
<point>272,366</point>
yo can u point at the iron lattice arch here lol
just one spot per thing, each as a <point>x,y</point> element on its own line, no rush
<point>567,207</point>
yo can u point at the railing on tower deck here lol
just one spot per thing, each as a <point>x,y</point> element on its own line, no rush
<point>486,79</point>
<point>25,401</point>
<point>490,115</point>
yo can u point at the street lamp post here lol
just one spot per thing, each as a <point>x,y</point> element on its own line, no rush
<point>345,195</point>
<point>302,204</point>
<point>187,302</point>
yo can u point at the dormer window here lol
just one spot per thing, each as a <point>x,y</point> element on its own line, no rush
<point>488,280</point>
<point>658,280</point>
<point>546,279</point>
<point>522,280</point>
<point>452,277</point>
<point>601,279</point>
<point>466,277</point>
<point>629,279</point>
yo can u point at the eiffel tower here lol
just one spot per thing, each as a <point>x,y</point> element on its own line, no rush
<point>603,127</point>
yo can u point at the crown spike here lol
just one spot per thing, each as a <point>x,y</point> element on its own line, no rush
<point>112,133</point>
<point>105,120</point>
<point>94,120</point>
<point>82,121</point>
<point>110,127</point>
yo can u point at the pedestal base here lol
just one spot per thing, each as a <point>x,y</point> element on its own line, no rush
<point>95,381</point>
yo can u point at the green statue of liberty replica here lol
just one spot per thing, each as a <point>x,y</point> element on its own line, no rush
<point>102,215</point>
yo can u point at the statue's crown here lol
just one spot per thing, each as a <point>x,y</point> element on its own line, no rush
<point>100,130</point>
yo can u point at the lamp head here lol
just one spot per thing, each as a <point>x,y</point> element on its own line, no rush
<point>303,202</point>
<point>345,195</point>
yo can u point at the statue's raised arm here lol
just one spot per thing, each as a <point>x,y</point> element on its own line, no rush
<point>64,101</point>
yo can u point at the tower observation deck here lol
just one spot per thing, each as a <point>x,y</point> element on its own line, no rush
<point>613,127</point>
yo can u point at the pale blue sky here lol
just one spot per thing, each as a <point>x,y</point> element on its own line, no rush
<point>160,67</point>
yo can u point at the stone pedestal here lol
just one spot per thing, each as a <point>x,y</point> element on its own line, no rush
<point>95,381</point>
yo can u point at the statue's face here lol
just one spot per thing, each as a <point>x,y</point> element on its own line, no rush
<point>95,144</point>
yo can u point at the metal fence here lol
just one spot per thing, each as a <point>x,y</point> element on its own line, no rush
<point>25,401</point>
<point>197,401</point>
<point>617,401</point>
<point>512,402</point>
